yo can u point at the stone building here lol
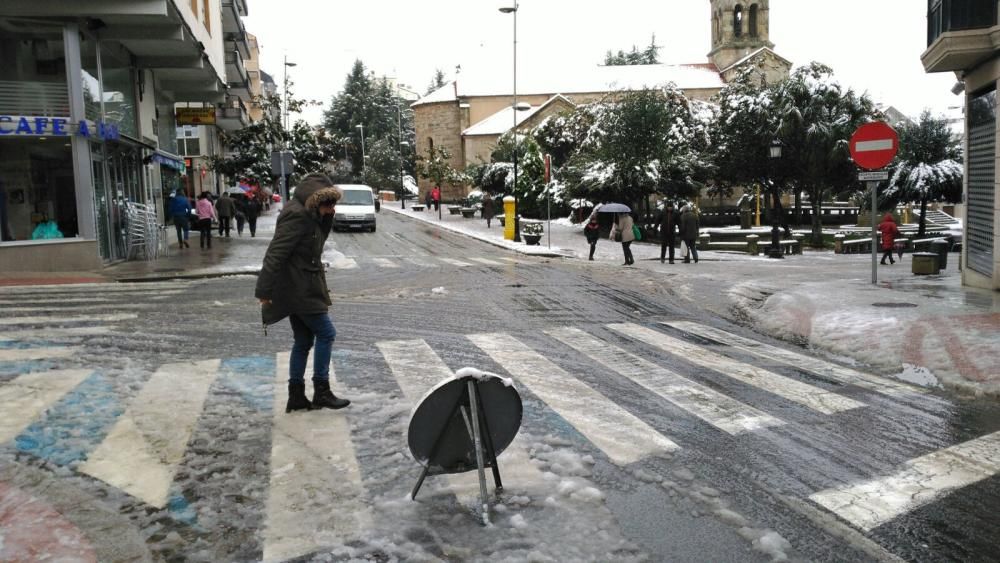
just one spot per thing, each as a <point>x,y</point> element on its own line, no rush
<point>469,114</point>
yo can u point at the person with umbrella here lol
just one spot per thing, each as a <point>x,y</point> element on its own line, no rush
<point>622,229</point>
<point>689,232</point>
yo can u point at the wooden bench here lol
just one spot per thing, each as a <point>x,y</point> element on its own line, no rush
<point>417,207</point>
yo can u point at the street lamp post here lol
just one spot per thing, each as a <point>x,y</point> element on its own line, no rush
<point>775,250</point>
<point>362,127</point>
<point>284,125</point>
<point>517,222</point>
<point>402,143</point>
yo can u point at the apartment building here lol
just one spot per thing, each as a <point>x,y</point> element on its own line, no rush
<point>963,36</point>
<point>88,91</point>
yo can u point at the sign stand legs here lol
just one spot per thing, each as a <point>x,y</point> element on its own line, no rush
<point>483,442</point>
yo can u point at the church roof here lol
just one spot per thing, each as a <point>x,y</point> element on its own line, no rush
<point>568,80</point>
<point>503,120</point>
<point>754,54</point>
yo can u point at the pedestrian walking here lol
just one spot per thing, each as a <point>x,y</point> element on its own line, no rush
<point>489,209</point>
<point>292,284</point>
<point>206,213</point>
<point>436,197</point>
<point>593,233</point>
<point>180,213</point>
<point>225,210</point>
<point>668,232</point>
<point>241,213</point>
<point>889,232</point>
<point>689,233</point>
<point>252,210</point>
<point>622,231</point>
<point>429,201</point>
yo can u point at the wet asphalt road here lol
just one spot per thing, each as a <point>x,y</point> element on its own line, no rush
<point>721,496</point>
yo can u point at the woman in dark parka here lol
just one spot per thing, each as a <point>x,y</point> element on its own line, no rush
<point>292,284</point>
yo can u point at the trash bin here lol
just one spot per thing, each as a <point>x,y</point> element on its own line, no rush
<point>941,247</point>
<point>924,263</point>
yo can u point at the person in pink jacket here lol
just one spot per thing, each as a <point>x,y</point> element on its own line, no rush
<point>206,214</point>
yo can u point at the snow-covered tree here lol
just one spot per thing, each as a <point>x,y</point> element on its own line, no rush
<point>436,167</point>
<point>817,118</point>
<point>648,56</point>
<point>928,166</point>
<point>437,81</point>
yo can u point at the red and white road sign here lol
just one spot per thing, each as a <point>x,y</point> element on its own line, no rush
<point>874,145</point>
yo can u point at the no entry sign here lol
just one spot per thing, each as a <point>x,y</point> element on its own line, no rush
<point>874,145</point>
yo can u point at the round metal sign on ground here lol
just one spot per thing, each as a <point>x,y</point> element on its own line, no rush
<point>436,421</point>
<point>874,145</point>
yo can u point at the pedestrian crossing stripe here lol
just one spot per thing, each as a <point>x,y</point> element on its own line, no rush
<point>626,440</point>
<point>41,353</point>
<point>10,321</point>
<point>101,289</point>
<point>815,365</point>
<point>417,369</point>
<point>713,407</point>
<point>141,453</point>
<point>79,308</point>
<point>810,396</point>
<point>56,333</point>
<point>919,482</point>
<point>61,300</point>
<point>311,452</point>
<point>27,396</point>
<point>385,263</point>
<point>453,262</point>
<point>487,261</point>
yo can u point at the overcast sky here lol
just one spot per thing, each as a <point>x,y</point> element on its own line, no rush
<point>872,45</point>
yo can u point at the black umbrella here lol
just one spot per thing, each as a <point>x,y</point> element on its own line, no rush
<point>614,208</point>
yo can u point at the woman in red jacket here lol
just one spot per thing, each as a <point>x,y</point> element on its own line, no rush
<point>889,233</point>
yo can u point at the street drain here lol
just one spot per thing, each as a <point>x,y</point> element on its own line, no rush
<point>894,305</point>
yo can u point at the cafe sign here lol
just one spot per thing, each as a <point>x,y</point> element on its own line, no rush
<point>38,126</point>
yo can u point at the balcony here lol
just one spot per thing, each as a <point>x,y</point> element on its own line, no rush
<point>232,115</point>
<point>961,34</point>
<point>236,70</point>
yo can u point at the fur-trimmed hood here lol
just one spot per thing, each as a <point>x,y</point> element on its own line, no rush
<point>312,193</point>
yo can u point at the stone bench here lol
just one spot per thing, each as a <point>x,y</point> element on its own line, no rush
<point>751,243</point>
<point>417,207</point>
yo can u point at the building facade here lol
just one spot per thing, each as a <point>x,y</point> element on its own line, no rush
<point>88,91</point>
<point>469,114</point>
<point>963,36</point>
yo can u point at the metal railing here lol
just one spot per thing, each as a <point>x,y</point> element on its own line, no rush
<point>34,98</point>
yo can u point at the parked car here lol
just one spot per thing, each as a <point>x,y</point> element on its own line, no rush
<point>356,208</point>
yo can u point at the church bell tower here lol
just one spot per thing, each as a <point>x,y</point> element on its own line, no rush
<point>739,27</point>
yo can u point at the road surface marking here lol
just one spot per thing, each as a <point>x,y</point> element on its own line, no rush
<point>311,451</point>
<point>141,453</point>
<point>419,262</point>
<point>920,481</point>
<point>385,263</point>
<point>795,359</point>
<point>454,262</point>
<point>487,261</point>
<point>41,353</point>
<point>26,397</point>
<point>56,333</point>
<point>60,300</point>
<point>95,289</point>
<point>417,370</point>
<point>620,434</point>
<point>815,398</point>
<point>723,412</point>
<point>344,263</point>
<point>53,320</point>
<point>81,308</point>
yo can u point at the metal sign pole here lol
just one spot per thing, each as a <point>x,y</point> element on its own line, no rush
<point>477,440</point>
<point>873,187</point>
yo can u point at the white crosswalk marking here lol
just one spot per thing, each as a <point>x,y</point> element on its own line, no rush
<point>80,308</point>
<point>713,407</point>
<point>815,398</point>
<point>620,434</point>
<point>26,397</point>
<point>344,263</point>
<point>141,453</point>
<point>56,333</point>
<point>418,369</point>
<point>487,261</point>
<point>7,321</point>
<point>42,353</point>
<point>96,289</point>
<point>316,495</point>
<point>419,262</point>
<point>920,481</point>
<point>815,365</point>
<point>454,262</point>
<point>385,263</point>
<point>61,300</point>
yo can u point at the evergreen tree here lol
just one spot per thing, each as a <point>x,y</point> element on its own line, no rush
<point>928,166</point>
<point>437,81</point>
<point>648,56</point>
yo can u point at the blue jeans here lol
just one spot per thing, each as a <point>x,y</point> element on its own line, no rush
<point>308,329</point>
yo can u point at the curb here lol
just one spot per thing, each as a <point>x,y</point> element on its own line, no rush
<point>204,276</point>
<point>488,240</point>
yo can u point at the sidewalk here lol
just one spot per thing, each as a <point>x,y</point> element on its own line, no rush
<point>927,330</point>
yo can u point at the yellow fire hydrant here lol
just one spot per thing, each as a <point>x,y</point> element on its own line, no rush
<point>508,212</point>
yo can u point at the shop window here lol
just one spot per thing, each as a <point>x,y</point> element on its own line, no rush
<point>37,190</point>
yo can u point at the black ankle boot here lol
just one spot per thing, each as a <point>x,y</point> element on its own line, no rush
<point>324,398</point>
<point>297,400</point>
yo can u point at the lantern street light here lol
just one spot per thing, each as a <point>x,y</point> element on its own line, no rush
<point>517,223</point>
<point>775,250</point>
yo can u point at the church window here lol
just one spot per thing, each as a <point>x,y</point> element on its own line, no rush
<point>430,143</point>
<point>753,20</point>
<point>738,21</point>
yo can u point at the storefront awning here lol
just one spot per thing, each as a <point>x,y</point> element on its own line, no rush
<point>168,160</point>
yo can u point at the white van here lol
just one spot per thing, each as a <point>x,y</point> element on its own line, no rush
<point>356,208</point>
